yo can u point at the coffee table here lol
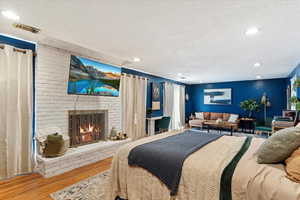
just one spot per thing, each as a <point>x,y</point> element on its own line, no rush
<point>218,126</point>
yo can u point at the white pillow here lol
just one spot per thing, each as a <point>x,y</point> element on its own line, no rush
<point>199,115</point>
<point>233,118</point>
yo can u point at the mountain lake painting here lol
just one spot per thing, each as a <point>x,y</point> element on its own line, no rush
<point>88,77</point>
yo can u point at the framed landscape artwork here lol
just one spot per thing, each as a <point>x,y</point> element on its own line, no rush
<point>155,96</point>
<point>217,96</point>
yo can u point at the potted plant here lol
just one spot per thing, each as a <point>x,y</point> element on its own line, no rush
<point>148,111</point>
<point>295,101</point>
<point>250,105</point>
<point>296,84</point>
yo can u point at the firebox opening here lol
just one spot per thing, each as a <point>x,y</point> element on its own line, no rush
<point>87,127</point>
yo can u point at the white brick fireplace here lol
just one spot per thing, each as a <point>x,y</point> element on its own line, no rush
<point>53,105</point>
<point>52,100</point>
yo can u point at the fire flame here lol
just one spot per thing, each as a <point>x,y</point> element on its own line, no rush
<point>89,129</point>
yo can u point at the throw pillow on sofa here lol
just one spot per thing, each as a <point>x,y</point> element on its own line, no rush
<point>199,115</point>
<point>206,115</point>
<point>279,146</point>
<point>233,118</point>
<point>293,166</point>
<point>226,116</point>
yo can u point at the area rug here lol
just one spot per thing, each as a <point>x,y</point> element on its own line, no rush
<point>88,189</point>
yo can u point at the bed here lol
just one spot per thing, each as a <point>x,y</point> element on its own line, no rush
<point>202,175</point>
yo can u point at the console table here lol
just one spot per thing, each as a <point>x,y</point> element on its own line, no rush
<point>151,124</point>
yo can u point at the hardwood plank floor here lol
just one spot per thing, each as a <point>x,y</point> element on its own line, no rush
<point>35,187</point>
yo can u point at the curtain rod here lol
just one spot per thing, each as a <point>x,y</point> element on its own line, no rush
<point>135,76</point>
<point>18,50</point>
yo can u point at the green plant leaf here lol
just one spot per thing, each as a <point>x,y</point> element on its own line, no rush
<point>250,105</point>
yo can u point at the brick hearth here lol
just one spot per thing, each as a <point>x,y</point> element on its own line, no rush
<point>78,157</point>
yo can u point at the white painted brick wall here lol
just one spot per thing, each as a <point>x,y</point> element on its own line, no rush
<point>52,100</point>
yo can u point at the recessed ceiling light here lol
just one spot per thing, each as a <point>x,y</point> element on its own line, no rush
<point>252,31</point>
<point>136,59</point>
<point>258,77</point>
<point>179,74</point>
<point>10,15</point>
<point>257,64</point>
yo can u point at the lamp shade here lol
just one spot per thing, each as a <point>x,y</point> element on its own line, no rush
<point>263,99</point>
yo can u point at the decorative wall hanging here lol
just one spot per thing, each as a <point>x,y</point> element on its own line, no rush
<point>217,96</point>
<point>155,96</point>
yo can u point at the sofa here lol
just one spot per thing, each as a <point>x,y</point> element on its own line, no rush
<point>200,118</point>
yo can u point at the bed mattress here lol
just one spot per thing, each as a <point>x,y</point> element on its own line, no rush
<point>201,175</point>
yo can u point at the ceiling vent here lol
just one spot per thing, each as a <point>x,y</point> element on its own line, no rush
<point>27,28</point>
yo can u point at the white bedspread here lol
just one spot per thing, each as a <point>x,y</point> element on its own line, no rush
<point>201,175</point>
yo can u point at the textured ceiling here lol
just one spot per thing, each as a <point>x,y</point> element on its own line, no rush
<point>202,39</point>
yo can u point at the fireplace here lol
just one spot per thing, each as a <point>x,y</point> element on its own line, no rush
<point>87,126</point>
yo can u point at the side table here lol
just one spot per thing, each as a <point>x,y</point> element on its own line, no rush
<point>247,125</point>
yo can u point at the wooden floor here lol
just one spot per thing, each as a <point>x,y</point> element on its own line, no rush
<point>35,187</point>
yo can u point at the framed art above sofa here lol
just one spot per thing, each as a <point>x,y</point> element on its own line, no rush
<point>217,96</point>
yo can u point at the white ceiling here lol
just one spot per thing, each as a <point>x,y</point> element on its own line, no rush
<point>202,39</point>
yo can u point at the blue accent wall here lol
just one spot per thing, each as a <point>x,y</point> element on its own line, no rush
<point>152,79</point>
<point>242,90</point>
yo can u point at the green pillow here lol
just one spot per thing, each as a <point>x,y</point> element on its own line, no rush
<point>279,146</point>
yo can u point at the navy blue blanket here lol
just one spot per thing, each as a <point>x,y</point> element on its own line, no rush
<point>164,158</point>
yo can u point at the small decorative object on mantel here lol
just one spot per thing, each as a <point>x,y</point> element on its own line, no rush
<point>115,135</point>
<point>113,132</point>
